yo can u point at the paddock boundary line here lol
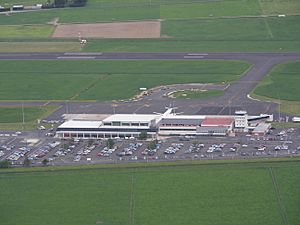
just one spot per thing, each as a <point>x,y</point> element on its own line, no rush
<point>281,205</point>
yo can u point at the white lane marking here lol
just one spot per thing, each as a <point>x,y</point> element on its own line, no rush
<point>76,57</point>
<point>248,96</point>
<point>195,54</point>
<point>193,57</point>
<point>83,53</point>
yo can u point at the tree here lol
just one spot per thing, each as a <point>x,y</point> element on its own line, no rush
<point>45,162</point>
<point>5,164</point>
<point>152,144</point>
<point>59,3</point>
<point>78,3</point>
<point>110,143</point>
<point>143,135</point>
<point>26,162</point>
<point>91,142</point>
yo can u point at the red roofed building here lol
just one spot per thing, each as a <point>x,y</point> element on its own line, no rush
<point>217,122</point>
<point>216,126</point>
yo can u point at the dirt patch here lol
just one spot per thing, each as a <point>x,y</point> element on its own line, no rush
<point>145,29</point>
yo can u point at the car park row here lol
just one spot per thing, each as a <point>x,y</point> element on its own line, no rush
<point>58,152</point>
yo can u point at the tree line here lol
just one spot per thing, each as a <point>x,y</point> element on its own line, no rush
<point>66,3</point>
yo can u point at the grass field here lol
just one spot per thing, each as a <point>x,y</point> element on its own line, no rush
<point>280,7</point>
<point>282,83</point>
<point>106,80</point>
<point>177,45</point>
<point>281,86</point>
<point>256,194</point>
<point>15,114</point>
<point>211,9</point>
<point>190,25</point>
<point>38,31</point>
<point>285,125</point>
<point>97,11</point>
<point>246,29</point>
<point>40,46</point>
<point>11,118</point>
<point>196,94</point>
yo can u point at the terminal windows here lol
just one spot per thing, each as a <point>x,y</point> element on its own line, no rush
<point>116,123</point>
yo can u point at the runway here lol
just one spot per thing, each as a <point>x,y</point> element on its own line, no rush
<point>235,96</point>
<point>251,57</point>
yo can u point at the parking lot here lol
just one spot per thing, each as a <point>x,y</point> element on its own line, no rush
<point>40,148</point>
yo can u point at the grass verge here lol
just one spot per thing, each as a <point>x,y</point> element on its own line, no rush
<point>40,46</point>
<point>12,117</point>
<point>281,87</point>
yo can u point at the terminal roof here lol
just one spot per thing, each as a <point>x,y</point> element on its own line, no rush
<point>81,124</point>
<point>131,118</point>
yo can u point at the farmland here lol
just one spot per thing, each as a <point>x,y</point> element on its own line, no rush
<point>255,193</point>
<point>242,25</point>
<point>106,80</point>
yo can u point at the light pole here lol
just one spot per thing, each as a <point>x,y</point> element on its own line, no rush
<point>23,117</point>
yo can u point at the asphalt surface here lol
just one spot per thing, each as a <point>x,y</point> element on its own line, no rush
<point>187,148</point>
<point>235,96</point>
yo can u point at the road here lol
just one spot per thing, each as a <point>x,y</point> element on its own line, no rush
<point>235,96</point>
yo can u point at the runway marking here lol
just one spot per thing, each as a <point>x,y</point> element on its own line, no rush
<point>76,57</point>
<point>142,106</point>
<point>131,203</point>
<point>268,28</point>
<point>83,53</point>
<point>193,57</point>
<point>197,54</point>
<point>46,103</point>
<point>8,143</point>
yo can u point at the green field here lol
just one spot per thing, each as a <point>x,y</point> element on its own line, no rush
<point>211,9</point>
<point>187,25</point>
<point>11,118</point>
<point>15,114</point>
<point>282,86</point>
<point>280,7</point>
<point>247,29</point>
<point>102,10</point>
<point>282,83</point>
<point>196,94</point>
<point>38,31</point>
<point>257,193</point>
<point>106,80</point>
<point>182,45</point>
<point>40,46</point>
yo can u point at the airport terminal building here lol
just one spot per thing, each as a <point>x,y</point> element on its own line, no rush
<point>166,124</point>
<point>117,125</point>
